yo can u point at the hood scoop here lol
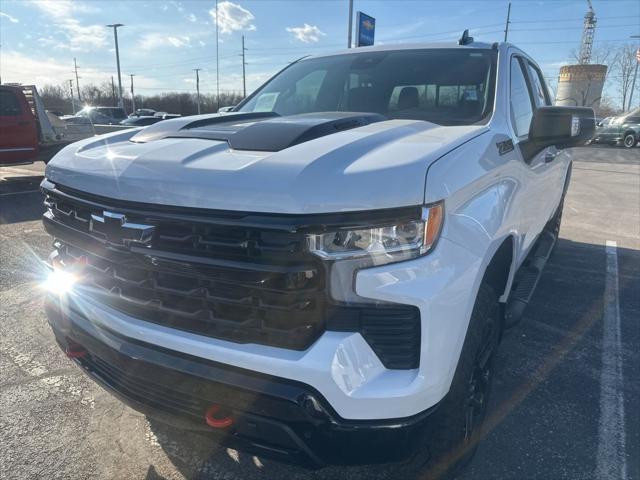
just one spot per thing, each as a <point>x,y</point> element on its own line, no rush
<point>260,131</point>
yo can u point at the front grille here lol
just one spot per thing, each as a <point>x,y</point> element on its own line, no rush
<point>222,275</point>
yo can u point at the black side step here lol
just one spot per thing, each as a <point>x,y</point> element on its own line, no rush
<point>526,279</point>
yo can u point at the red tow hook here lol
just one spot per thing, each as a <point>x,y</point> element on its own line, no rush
<point>74,349</point>
<point>216,422</point>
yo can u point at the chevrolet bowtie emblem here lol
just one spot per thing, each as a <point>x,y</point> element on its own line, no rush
<point>118,231</point>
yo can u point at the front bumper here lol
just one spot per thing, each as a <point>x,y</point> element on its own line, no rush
<point>271,416</point>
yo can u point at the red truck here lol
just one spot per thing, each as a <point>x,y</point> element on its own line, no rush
<point>18,127</point>
<point>28,132</point>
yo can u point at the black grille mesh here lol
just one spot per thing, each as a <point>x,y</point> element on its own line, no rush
<point>241,283</point>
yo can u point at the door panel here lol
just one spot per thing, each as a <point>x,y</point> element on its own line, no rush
<point>541,172</point>
<point>18,134</point>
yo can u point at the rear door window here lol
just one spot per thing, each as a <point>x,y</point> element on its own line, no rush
<point>9,104</point>
<point>540,95</point>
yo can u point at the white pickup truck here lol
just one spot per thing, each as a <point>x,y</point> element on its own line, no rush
<point>322,275</point>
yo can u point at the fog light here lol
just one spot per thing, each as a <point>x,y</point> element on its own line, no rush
<point>60,282</point>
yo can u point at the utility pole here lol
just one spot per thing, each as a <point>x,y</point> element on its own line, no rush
<point>197,70</point>
<point>244,73</point>
<point>73,105</point>
<point>113,92</point>
<point>115,35</point>
<point>75,66</point>
<point>635,73</point>
<point>350,24</point>
<point>506,27</point>
<point>133,97</point>
<point>217,63</point>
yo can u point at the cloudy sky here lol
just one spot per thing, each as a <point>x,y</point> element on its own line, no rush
<point>162,41</point>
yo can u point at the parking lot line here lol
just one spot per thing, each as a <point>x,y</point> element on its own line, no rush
<point>611,427</point>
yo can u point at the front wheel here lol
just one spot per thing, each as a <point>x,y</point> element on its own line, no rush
<point>459,419</point>
<point>629,140</point>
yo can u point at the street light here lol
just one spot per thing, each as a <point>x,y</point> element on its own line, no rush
<point>115,35</point>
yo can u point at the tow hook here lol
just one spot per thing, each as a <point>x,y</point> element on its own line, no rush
<point>215,421</point>
<point>74,349</point>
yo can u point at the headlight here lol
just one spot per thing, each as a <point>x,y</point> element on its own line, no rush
<point>351,249</point>
<point>385,244</point>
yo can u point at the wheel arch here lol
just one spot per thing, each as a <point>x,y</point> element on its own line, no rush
<point>499,269</point>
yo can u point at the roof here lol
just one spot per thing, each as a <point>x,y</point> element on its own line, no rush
<point>404,46</point>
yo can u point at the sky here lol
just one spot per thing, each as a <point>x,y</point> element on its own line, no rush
<point>163,41</point>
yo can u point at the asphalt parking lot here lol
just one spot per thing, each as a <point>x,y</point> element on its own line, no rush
<point>566,400</point>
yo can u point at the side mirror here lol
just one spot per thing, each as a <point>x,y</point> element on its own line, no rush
<point>562,127</point>
<point>226,109</point>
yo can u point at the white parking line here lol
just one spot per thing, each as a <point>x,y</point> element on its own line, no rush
<point>611,428</point>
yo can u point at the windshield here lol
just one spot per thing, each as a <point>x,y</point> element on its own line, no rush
<point>444,86</point>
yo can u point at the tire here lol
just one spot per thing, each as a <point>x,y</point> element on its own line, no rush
<point>629,140</point>
<point>458,421</point>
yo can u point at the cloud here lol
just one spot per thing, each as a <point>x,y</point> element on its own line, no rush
<point>9,17</point>
<point>233,17</point>
<point>61,9</point>
<point>150,41</point>
<point>307,33</point>
<point>20,68</point>
<point>76,36</point>
<point>192,18</point>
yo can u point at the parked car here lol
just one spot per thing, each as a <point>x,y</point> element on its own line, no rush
<point>623,130</point>
<point>143,112</point>
<point>18,128</point>
<point>140,121</point>
<point>323,275</point>
<point>103,115</point>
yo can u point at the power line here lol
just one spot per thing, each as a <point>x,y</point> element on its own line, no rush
<point>571,28</point>
<point>554,20</point>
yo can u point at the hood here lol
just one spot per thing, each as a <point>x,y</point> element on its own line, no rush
<point>363,163</point>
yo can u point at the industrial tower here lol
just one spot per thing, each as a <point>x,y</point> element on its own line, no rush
<point>581,85</point>
<point>587,36</point>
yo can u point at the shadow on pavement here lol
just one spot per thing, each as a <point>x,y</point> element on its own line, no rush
<point>544,380</point>
<point>20,199</point>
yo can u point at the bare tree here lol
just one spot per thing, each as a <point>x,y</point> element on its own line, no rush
<point>607,108</point>
<point>624,66</point>
<point>603,54</point>
<point>57,98</point>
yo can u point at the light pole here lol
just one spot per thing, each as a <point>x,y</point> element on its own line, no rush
<point>350,24</point>
<point>133,97</point>
<point>244,72</point>
<point>115,35</point>
<point>197,70</point>
<point>75,68</point>
<point>217,62</point>
<point>73,104</point>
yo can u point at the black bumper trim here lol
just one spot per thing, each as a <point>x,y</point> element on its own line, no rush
<point>273,417</point>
